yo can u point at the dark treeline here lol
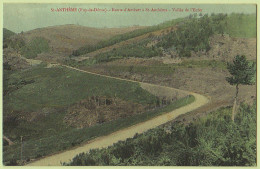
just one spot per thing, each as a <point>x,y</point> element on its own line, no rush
<point>212,141</point>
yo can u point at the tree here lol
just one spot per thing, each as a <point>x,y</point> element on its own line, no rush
<point>242,73</point>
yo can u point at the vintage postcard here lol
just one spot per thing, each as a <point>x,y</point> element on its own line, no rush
<point>129,84</point>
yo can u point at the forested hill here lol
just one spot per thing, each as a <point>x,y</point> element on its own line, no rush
<point>193,32</point>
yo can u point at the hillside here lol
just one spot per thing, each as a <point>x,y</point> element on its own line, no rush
<point>210,141</point>
<point>55,103</point>
<point>135,35</point>
<point>241,25</point>
<point>64,39</point>
<point>201,68</point>
<point>55,108</point>
<point>200,39</point>
<point>7,33</point>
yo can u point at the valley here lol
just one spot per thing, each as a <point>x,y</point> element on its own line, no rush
<point>91,88</point>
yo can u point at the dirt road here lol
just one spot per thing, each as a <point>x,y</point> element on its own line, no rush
<point>105,141</point>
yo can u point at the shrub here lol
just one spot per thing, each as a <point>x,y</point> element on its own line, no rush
<point>34,47</point>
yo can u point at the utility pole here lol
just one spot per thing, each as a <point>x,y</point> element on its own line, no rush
<point>21,148</point>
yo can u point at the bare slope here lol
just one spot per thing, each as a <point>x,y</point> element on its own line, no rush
<point>65,38</point>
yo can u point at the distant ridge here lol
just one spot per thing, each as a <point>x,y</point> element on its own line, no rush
<point>66,38</point>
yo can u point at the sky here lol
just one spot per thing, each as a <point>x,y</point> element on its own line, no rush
<point>25,17</point>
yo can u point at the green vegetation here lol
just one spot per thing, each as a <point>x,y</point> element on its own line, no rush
<point>151,69</point>
<point>30,50</point>
<point>211,141</point>
<point>202,63</point>
<point>241,25</point>
<point>16,43</point>
<point>243,73</point>
<point>35,46</point>
<point>49,134</point>
<point>126,36</point>
<point>7,33</point>
<point>160,68</point>
<point>138,50</point>
<point>253,63</point>
<point>51,87</point>
<point>193,35</point>
<point>46,93</point>
<point>157,69</point>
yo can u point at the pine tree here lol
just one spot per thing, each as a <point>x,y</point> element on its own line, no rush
<point>242,73</point>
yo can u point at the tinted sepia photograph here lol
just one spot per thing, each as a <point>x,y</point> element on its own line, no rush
<point>129,84</point>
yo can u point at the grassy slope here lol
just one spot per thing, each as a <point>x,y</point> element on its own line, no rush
<point>241,26</point>
<point>65,38</point>
<point>161,69</point>
<point>57,88</point>
<point>61,141</point>
<point>52,90</point>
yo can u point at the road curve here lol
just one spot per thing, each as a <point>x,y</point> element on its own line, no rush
<point>123,134</point>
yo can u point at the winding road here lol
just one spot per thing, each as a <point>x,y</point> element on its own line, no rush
<point>123,134</point>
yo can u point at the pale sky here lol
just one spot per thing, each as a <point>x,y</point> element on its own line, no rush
<point>25,17</point>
